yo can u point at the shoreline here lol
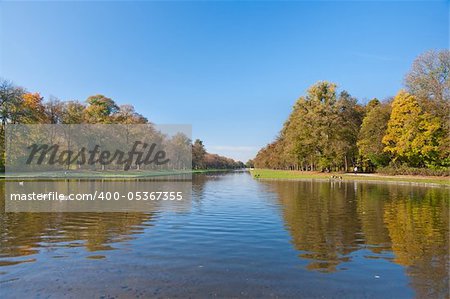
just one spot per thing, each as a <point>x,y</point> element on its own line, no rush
<point>57,175</point>
<point>372,177</point>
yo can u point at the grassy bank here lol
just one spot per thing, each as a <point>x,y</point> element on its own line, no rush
<point>291,174</point>
<point>132,174</point>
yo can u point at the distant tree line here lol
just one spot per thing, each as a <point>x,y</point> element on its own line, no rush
<point>201,159</point>
<point>19,106</point>
<point>327,130</point>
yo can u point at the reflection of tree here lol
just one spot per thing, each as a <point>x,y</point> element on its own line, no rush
<point>418,227</point>
<point>200,182</point>
<point>24,233</point>
<point>198,185</point>
<point>322,220</point>
<point>330,220</point>
<point>370,210</point>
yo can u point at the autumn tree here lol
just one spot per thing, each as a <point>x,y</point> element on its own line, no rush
<point>214,161</point>
<point>73,113</point>
<point>412,134</point>
<point>201,159</point>
<point>126,114</point>
<point>179,149</point>
<point>429,81</point>
<point>100,109</point>
<point>54,110</point>
<point>33,109</point>
<point>17,106</point>
<point>310,128</point>
<point>198,154</point>
<point>320,133</point>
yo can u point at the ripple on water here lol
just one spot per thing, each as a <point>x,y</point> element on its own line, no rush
<point>239,237</point>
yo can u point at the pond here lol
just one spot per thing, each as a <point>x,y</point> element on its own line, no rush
<point>239,237</point>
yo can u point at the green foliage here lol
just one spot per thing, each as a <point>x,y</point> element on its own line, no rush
<point>250,164</point>
<point>320,132</point>
<point>73,113</point>
<point>370,138</point>
<point>100,109</point>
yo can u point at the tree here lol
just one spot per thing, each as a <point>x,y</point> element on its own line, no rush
<point>373,128</point>
<point>320,133</point>
<point>198,154</point>
<point>11,100</point>
<point>127,115</point>
<point>250,163</point>
<point>33,109</point>
<point>201,159</point>
<point>54,109</point>
<point>412,134</point>
<point>179,148</point>
<point>73,113</point>
<point>429,76</point>
<point>349,123</point>
<point>214,161</point>
<point>17,106</point>
<point>429,81</point>
<point>11,104</point>
<point>100,109</point>
<point>311,127</point>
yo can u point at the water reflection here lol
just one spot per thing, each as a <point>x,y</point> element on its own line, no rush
<point>238,236</point>
<point>25,234</point>
<point>323,222</point>
<point>330,220</point>
<point>418,223</point>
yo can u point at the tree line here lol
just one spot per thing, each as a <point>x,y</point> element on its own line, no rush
<point>329,130</point>
<point>201,159</point>
<point>19,106</point>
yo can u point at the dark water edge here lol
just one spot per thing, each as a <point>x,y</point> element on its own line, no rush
<point>238,237</point>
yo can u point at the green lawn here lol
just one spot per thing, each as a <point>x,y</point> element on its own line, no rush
<point>104,174</point>
<point>291,174</point>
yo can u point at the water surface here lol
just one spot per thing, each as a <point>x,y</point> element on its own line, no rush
<point>238,237</point>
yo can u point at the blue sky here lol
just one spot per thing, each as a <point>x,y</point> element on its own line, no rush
<point>231,69</point>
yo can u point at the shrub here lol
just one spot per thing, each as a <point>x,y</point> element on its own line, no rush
<point>405,170</point>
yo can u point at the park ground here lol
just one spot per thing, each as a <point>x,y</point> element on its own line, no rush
<point>299,175</point>
<point>86,174</point>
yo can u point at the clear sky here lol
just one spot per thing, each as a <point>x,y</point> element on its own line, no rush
<point>231,69</point>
